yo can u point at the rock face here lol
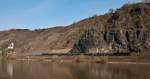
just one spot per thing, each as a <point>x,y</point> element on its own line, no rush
<point>125,30</point>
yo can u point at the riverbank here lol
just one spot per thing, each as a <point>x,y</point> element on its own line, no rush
<point>83,58</point>
<point>129,59</point>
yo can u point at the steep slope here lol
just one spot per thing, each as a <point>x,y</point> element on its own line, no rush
<point>125,30</point>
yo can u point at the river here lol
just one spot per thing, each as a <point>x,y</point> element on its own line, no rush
<point>47,70</point>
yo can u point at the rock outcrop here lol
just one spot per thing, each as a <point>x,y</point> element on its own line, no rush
<point>125,30</point>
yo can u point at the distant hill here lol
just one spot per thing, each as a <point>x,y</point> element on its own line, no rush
<point>125,30</point>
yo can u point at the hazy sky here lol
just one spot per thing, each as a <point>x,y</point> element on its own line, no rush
<point>33,14</point>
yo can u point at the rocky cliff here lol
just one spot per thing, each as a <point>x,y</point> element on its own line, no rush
<point>125,30</point>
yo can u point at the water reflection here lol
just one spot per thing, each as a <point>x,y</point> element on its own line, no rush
<point>6,69</point>
<point>10,69</point>
<point>46,70</point>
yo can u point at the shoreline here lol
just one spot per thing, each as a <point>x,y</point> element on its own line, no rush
<point>83,58</point>
<point>134,63</point>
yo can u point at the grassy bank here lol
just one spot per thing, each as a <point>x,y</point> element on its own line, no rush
<point>80,58</point>
<point>130,59</point>
<point>84,58</point>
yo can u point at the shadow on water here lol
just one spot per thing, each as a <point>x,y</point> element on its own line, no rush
<point>46,70</point>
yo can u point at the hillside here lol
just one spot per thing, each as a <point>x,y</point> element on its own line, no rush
<point>125,30</point>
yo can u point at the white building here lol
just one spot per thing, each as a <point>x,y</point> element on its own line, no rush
<point>11,46</point>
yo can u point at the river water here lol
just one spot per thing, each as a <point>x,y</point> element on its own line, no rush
<point>47,70</point>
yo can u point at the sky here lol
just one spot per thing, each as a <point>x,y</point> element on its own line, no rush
<point>34,14</point>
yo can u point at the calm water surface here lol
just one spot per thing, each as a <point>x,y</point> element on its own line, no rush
<point>46,70</point>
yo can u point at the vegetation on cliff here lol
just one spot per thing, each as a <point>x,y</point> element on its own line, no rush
<point>124,30</point>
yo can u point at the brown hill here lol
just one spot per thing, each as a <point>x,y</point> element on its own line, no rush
<point>125,30</point>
